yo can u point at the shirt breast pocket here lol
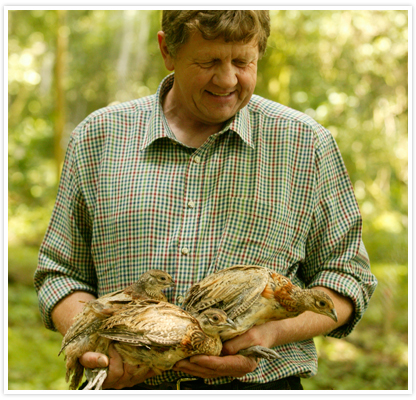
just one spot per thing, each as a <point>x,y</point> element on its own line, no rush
<point>254,233</point>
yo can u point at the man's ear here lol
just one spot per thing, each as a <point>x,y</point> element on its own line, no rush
<point>169,64</point>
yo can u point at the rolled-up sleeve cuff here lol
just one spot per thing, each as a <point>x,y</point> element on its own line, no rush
<point>347,286</point>
<point>55,289</point>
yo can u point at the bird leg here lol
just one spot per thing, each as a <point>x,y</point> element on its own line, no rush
<point>95,378</point>
<point>259,352</point>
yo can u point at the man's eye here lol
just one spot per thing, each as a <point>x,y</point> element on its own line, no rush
<point>206,64</point>
<point>240,63</point>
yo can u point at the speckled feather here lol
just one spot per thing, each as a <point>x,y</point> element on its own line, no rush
<point>82,337</point>
<point>149,286</point>
<point>155,335</point>
<point>235,297</point>
<point>252,295</point>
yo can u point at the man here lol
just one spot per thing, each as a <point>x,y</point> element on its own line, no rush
<point>199,177</point>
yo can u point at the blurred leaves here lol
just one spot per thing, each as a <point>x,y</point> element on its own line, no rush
<point>32,350</point>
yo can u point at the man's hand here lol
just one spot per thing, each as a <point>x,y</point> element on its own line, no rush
<point>262,335</point>
<point>120,375</point>
<point>214,367</point>
<point>231,364</point>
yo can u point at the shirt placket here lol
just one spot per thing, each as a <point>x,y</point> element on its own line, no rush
<point>189,235</point>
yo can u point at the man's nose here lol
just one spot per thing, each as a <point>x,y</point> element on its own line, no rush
<point>225,76</point>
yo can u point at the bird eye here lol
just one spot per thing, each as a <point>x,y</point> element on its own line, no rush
<point>215,318</point>
<point>162,278</point>
<point>322,303</point>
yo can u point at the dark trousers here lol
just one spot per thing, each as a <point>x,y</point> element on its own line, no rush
<point>289,383</point>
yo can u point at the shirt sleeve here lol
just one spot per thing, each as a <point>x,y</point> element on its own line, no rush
<point>65,263</point>
<point>335,254</point>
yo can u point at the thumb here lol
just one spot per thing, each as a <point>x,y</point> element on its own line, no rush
<point>247,339</point>
<point>231,347</point>
<point>93,360</point>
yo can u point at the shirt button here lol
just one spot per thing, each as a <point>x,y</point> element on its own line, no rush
<point>180,299</point>
<point>197,159</point>
<point>185,251</point>
<point>191,204</point>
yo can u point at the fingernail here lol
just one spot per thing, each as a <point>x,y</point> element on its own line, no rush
<point>102,362</point>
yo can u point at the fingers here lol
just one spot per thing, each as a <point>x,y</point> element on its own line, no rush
<point>257,336</point>
<point>194,369</point>
<point>93,360</point>
<point>237,365</point>
<point>122,375</point>
<point>232,346</point>
<point>119,374</point>
<point>115,370</point>
<point>213,367</point>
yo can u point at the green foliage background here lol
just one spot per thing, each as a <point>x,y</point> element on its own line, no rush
<point>348,69</point>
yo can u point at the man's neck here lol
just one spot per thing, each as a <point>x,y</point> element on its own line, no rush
<point>189,132</point>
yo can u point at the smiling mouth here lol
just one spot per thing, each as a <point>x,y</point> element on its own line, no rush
<point>220,94</point>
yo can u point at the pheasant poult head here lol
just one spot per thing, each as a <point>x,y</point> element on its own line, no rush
<point>295,300</point>
<point>151,283</point>
<point>318,302</point>
<point>214,321</point>
<point>157,278</point>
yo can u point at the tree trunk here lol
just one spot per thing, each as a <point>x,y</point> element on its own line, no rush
<point>60,61</point>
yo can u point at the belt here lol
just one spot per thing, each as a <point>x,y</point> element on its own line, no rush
<point>289,383</point>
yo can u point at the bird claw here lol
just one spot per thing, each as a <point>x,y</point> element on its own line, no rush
<point>95,378</point>
<point>260,352</point>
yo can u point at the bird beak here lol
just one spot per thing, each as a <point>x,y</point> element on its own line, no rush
<point>333,315</point>
<point>173,283</point>
<point>231,323</point>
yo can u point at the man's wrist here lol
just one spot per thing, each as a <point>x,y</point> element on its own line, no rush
<point>65,310</point>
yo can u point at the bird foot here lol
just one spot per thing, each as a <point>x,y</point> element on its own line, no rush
<point>260,352</point>
<point>95,378</point>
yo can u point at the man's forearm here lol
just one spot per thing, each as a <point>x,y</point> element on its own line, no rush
<point>64,312</point>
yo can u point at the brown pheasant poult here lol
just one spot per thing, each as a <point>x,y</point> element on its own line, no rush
<point>80,337</point>
<point>252,295</point>
<point>152,335</point>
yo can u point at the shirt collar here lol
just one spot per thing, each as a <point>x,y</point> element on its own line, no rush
<point>240,124</point>
<point>158,128</point>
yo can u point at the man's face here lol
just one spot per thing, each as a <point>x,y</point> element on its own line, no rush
<point>213,79</point>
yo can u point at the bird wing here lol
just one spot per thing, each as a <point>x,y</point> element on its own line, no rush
<point>79,330</point>
<point>116,297</point>
<point>111,294</point>
<point>138,338</point>
<point>90,318</point>
<point>148,323</point>
<point>85,322</point>
<point>233,290</point>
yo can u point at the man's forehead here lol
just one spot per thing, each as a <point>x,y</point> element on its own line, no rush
<point>217,47</point>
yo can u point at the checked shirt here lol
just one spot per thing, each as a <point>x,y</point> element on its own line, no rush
<point>269,189</point>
